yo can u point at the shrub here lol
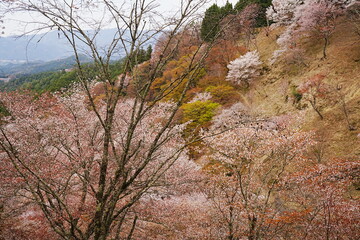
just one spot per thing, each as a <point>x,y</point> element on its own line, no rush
<point>3,110</point>
<point>199,112</point>
<point>296,94</point>
<point>222,94</point>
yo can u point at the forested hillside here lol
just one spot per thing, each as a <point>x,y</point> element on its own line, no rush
<point>59,75</point>
<point>244,124</point>
<point>13,69</point>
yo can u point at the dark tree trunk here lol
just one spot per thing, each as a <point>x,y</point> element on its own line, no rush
<point>325,47</point>
<point>252,226</point>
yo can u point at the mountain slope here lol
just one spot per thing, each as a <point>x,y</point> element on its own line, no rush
<point>272,94</point>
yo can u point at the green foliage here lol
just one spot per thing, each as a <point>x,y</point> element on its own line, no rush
<point>116,68</point>
<point>141,55</point>
<point>49,82</point>
<point>40,82</point>
<point>227,9</point>
<point>296,94</point>
<point>210,24</point>
<point>46,81</point>
<point>148,52</point>
<point>39,67</point>
<point>56,81</point>
<point>199,112</point>
<point>3,110</point>
<point>241,4</point>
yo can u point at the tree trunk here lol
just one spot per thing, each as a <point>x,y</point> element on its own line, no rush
<point>230,225</point>
<point>319,113</point>
<point>313,104</point>
<point>344,108</point>
<point>252,226</point>
<point>325,47</point>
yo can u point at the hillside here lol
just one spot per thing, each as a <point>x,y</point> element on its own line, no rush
<point>16,69</point>
<point>267,96</point>
<point>243,124</point>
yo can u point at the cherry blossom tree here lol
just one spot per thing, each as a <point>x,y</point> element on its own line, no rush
<point>282,11</point>
<point>86,159</point>
<point>314,18</point>
<point>245,166</point>
<point>353,10</point>
<point>55,147</point>
<point>243,24</point>
<point>248,18</point>
<point>319,19</point>
<point>245,68</point>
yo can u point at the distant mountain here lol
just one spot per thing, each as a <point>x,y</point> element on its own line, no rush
<point>33,48</point>
<point>7,69</point>
<point>39,80</point>
<point>46,47</point>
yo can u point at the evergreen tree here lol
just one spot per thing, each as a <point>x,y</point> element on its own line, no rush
<point>148,52</point>
<point>141,56</point>
<point>227,9</point>
<point>210,24</point>
<point>241,4</point>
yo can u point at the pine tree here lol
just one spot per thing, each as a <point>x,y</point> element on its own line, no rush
<point>148,52</point>
<point>227,9</point>
<point>241,4</point>
<point>210,24</point>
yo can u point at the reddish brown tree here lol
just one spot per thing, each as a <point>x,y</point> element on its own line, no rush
<point>220,56</point>
<point>322,202</point>
<point>314,90</point>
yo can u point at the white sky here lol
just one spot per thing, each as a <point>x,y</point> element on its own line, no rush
<point>16,23</point>
<point>171,4</point>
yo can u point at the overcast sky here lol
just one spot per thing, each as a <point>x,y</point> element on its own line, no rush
<point>171,4</point>
<point>14,27</point>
